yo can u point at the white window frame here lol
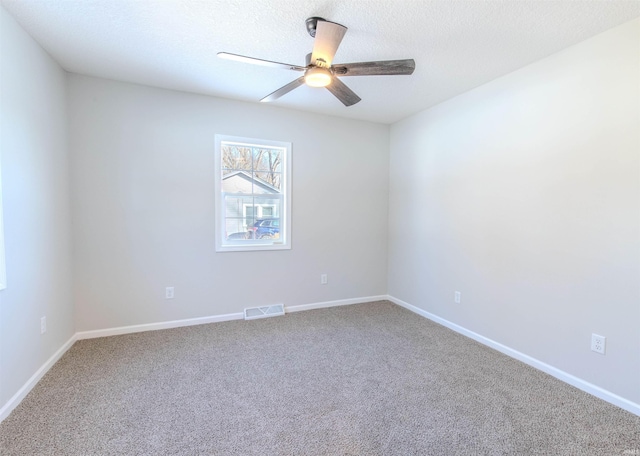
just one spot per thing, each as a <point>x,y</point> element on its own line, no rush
<point>241,245</point>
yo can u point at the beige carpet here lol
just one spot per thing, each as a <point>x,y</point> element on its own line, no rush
<point>367,379</point>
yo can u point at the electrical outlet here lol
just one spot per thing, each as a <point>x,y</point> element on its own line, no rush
<point>598,343</point>
<point>43,325</point>
<point>168,294</point>
<point>457,297</point>
<point>323,279</point>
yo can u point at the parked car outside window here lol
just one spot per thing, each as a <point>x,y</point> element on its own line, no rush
<point>265,229</point>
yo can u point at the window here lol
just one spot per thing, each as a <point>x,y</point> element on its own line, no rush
<point>253,194</point>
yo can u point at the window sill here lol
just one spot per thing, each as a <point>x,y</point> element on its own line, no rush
<point>252,247</point>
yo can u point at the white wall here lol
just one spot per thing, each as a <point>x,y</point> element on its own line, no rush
<point>34,154</point>
<point>524,194</point>
<point>143,206</point>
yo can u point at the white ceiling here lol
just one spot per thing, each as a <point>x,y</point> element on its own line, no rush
<point>457,45</point>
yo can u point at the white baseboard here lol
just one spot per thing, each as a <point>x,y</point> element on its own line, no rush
<point>156,326</point>
<point>340,302</point>
<point>572,380</point>
<point>35,378</point>
<point>213,319</point>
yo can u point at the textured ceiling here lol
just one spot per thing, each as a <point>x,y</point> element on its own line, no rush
<point>457,45</point>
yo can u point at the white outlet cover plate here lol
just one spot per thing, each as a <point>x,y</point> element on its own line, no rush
<point>598,343</point>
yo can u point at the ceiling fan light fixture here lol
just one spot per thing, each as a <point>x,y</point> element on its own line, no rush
<point>318,77</point>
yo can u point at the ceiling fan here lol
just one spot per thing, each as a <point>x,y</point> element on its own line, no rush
<point>320,70</point>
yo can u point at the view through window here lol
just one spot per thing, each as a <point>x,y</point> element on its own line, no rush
<point>252,193</point>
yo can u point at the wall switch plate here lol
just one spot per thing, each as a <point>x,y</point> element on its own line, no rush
<point>323,279</point>
<point>457,297</point>
<point>43,325</point>
<point>598,343</point>
<point>168,294</point>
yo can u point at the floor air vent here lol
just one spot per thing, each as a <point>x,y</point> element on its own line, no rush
<point>262,312</point>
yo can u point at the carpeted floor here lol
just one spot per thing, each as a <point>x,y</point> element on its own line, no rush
<point>366,379</point>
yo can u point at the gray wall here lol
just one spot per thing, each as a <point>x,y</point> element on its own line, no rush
<point>524,194</point>
<point>34,154</point>
<point>143,206</point>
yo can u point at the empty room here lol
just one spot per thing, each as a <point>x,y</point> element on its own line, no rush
<point>357,227</point>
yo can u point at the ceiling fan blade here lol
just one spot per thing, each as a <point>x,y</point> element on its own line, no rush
<point>342,92</point>
<point>284,89</point>
<point>383,67</point>
<point>254,61</point>
<point>328,38</point>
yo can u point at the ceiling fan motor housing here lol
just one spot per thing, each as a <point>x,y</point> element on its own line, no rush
<point>312,23</point>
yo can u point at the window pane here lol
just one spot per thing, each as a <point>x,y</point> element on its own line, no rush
<point>237,182</point>
<point>235,229</point>
<point>267,207</point>
<point>269,160</point>
<point>264,229</point>
<point>236,206</point>
<point>236,157</point>
<point>271,182</point>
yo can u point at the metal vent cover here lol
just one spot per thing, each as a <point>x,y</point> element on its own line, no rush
<point>251,313</point>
